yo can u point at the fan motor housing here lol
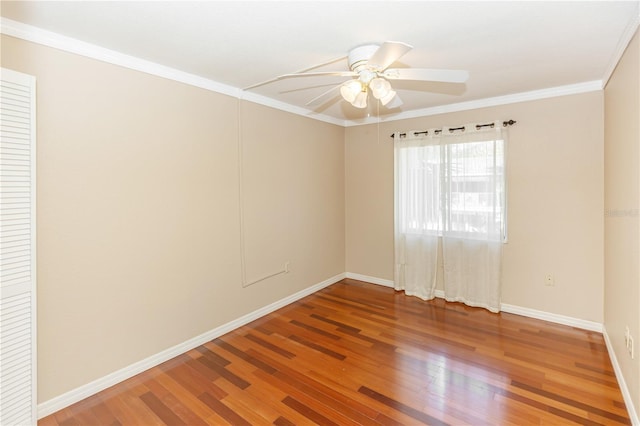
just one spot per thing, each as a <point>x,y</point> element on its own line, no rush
<point>359,56</point>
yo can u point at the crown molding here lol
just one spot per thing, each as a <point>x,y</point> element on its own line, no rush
<point>72,45</point>
<point>624,41</point>
<point>68,44</point>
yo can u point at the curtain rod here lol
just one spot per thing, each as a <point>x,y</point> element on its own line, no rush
<point>478,127</point>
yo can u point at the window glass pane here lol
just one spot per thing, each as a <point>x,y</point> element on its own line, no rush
<point>457,189</point>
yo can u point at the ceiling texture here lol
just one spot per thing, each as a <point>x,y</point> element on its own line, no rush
<point>508,47</point>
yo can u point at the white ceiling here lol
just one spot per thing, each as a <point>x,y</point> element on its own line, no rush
<point>507,47</point>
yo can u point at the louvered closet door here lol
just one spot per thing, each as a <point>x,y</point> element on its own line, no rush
<point>17,250</point>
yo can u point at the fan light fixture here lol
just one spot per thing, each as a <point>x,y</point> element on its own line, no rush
<point>361,99</point>
<point>350,90</point>
<point>355,91</point>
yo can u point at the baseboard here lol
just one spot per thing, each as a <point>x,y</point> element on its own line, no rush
<point>372,280</point>
<point>505,307</point>
<point>556,318</point>
<point>82,392</point>
<point>511,309</point>
<point>628,401</point>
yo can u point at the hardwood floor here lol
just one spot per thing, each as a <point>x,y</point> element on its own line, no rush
<point>357,353</point>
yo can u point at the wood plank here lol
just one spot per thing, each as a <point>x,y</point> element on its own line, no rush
<point>223,411</point>
<point>403,408</point>
<point>271,347</point>
<point>181,410</point>
<point>161,410</point>
<point>188,399</point>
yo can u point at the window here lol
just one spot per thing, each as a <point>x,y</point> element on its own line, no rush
<point>453,188</point>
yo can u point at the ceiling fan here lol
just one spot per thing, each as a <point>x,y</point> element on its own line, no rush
<point>368,65</point>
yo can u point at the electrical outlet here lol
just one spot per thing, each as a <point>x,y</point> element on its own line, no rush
<point>548,280</point>
<point>630,347</point>
<point>286,267</point>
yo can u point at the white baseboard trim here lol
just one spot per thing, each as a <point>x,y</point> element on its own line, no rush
<point>556,318</point>
<point>628,401</point>
<point>84,391</point>
<point>511,309</point>
<point>372,280</point>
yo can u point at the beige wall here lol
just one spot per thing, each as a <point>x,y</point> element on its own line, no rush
<point>622,204</point>
<point>555,196</point>
<point>138,213</point>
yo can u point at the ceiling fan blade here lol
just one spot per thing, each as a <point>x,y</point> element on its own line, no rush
<point>319,74</point>
<point>262,83</point>
<point>424,74</point>
<point>323,94</point>
<point>387,53</point>
<point>305,74</point>
<point>297,72</point>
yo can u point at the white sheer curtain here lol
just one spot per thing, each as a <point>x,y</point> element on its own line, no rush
<point>417,215</point>
<point>450,187</point>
